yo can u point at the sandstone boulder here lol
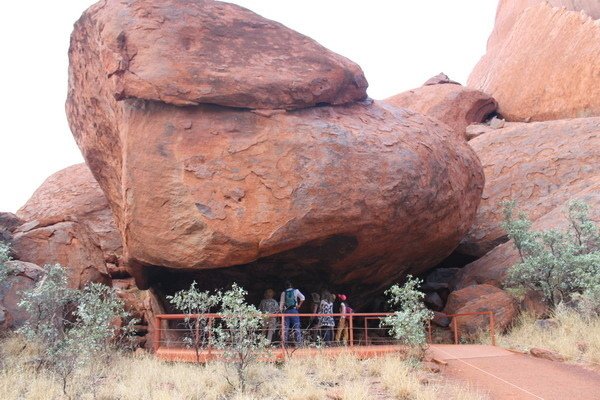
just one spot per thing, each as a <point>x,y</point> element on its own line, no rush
<point>8,223</point>
<point>478,298</point>
<point>492,267</point>
<point>22,276</point>
<point>509,11</point>
<point>453,104</point>
<point>69,222</point>
<point>352,187</point>
<point>540,165</point>
<point>273,66</point>
<point>522,71</point>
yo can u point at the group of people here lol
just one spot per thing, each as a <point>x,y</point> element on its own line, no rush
<point>322,327</point>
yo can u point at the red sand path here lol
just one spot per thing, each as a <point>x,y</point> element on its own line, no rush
<point>505,375</point>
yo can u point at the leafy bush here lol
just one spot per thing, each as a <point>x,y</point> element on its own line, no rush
<point>4,256</point>
<point>197,303</point>
<point>240,335</point>
<point>561,265</point>
<point>408,323</point>
<point>73,327</point>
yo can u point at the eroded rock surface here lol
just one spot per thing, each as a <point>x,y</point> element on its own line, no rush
<point>523,72</point>
<point>208,186</point>
<point>273,66</point>
<point>539,165</point>
<point>481,298</point>
<point>22,276</point>
<point>455,105</point>
<point>68,221</point>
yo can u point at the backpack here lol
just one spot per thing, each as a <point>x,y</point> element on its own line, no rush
<point>290,298</point>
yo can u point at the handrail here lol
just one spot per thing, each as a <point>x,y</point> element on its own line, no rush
<point>366,315</point>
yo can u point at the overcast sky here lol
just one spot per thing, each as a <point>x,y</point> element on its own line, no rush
<point>399,44</point>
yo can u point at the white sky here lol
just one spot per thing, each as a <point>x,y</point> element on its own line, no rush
<point>398,43</point>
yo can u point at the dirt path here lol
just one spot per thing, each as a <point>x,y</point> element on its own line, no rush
<point>505,375</point>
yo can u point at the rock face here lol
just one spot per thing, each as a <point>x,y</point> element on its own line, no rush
<point>491,268</point>
<point>522,72</point>
<point>509,11</point>
<point>207,186</point>
<point>8,223</point>
<point>478,298</point>
<point>69,222</point>
<point>451,103</point>
<point>273,66</point>
<point>540,165</point>
<point>23,276</point>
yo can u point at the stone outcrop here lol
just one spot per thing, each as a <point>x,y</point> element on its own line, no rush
<point>205,186</point>
<point>68,221</point>
<point>455,105</point>
<point>509,11</point>
<point>522,71</point>
<point>23,276</point>
<point>273,66</point>
<point>539,165</point>
<point>492,267</point>
<point>8,223</point>
<point>479,298</point>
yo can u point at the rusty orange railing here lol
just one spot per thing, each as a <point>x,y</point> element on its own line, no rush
<point>210,318</point>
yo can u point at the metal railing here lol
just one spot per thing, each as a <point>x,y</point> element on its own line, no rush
<point>369,333</point>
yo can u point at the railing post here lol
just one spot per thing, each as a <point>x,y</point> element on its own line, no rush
<point>455,325</point>
<point>351,330</point>
<point>493,328</point>
<point>157,335</point>
<point>282,331</point>
<point>366,335</point>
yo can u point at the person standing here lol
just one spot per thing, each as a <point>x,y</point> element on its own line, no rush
<point>290,301</point>
<point>269,305</point>
<point>341,335</point>
<point>326,322</point>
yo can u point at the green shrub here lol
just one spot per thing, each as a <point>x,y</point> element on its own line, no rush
<point>195,302</point>
<point>562,265</point>
<point>74,328</point>
<point>4,257</point>
<point>408,323</point>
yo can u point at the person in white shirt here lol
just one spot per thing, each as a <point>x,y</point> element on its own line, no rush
<point>290,301</point>
<point>269,305</point>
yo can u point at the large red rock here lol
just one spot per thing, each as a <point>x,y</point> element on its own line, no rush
<point>225,55</point>
<point>539,165</point>
<point>509,11</point>
<point>69,222</point>
<point>369,190</point>
<point>455,105</point>
<point>492,267</point>
<point>481,298</point>
<point>23,276</point>
<point>522,71</point>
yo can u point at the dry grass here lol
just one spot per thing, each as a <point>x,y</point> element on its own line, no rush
<point>144,377</point>
<point>576,337</point>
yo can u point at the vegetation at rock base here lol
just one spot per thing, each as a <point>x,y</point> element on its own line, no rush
<point>562,265</point>
<point>408,323</point>
<point>73,329</point>
<point>4,256</point>
<point>134,377</point>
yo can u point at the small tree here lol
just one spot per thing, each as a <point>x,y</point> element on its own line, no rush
<point>560,265</point>
<point>408,323</point>
<point>73,327</point>
<point>195,304</point>
<point>240,335</point>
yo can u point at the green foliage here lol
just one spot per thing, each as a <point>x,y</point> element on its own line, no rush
<point>408,323</point>
<point>561,265</point>
<point>72,327</point>
<point>195,304</point>
<point>4,257</point>
<point>240,335</point>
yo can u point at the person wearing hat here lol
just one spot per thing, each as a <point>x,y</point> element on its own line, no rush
<point>341,335</point>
